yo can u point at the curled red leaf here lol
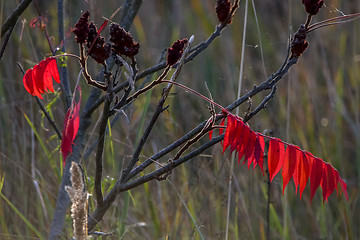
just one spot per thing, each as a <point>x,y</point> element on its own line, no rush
<point>71,127</point>
<point>39,79</point>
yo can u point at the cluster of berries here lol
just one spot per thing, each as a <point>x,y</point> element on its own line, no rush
<point>123,43</point>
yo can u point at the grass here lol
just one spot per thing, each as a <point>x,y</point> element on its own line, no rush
<point>320,108</point>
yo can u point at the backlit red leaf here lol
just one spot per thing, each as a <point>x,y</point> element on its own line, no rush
<point>324,182</point>
<point>230,131</point>
<point>238,132</point>
<point>316,173</point>
<point>276,157</point>
<point>39,79</point>
<point>210,134</point>
<point>332,181</point>
<point>344,188</point>
<point>249,152</point>
<point>71,127</point>
<point>295,163</point>
<point>292,156</point>
<point>303,172</point>
<point>259,152</point>
<point>243,141</point>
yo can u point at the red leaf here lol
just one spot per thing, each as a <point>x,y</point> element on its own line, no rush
<point>332,180</point>
<point>303,172</point>
<point>315,175</point>
<point>324,182</point>
<point>71,127</point>
<point>243,140</point>
<point>249,152</point>
<point>39,79</point>
<point>238,132</point>
<point>292,156</point>
<point>52,67</point>
<point>222,123</point>
<point>230,131</point>
<point>276,157</point>
<point>295,163</point>
<point>259,152</point>
<point>210,134</point>
<point>344,188</point>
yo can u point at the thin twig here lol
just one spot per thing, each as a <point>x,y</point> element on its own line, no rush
<point>124,185</point>
<point>6,41</point>
<point>264,86</point>
<point>101,140</point>
<point>14,16</point>
<point>159,109</point>
<point>261,106</point>
<point>194,52</point>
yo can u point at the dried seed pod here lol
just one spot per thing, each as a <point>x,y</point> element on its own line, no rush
<point>124,44</point>
<point>99,51</point>
<point>312,6</point>
<point>175,51</point>
<point>299,43</point>
<point>81,30</point>
<point>222,10</point>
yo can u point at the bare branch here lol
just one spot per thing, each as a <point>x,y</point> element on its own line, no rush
<point>14,16</point>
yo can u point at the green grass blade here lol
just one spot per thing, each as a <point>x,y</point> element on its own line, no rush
<point>22,217</point>
<point>188,211</point>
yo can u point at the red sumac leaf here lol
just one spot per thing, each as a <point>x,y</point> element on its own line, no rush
<point>292,156</point>
<point>243,141</point>
<point>316,173</point>
<point>230,131</point>
<point>324,181</point>
<point>344,188</point>
<point>303,172</point>
<point>238,132</point>
<point>39,79</point>
<point>71,127</point>
<point>259,152</point>
<point>250,148</point>
<point>276,157</point>
<point>222,123</point>
<point>52,68</point>
<point>210,134</point>
<point>332,181</point>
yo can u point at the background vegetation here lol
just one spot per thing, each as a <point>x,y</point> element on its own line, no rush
<point>317,106</point>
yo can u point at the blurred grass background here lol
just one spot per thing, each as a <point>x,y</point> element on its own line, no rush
<point>317,106</point>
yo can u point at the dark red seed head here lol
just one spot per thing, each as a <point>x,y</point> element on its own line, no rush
<point>299,43</point>
<point>312,6</point>
<point>124,44</point>
<point>223,9</point>
<point>81,30</point>
<point>99,51</point>
<point>175,52</point>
